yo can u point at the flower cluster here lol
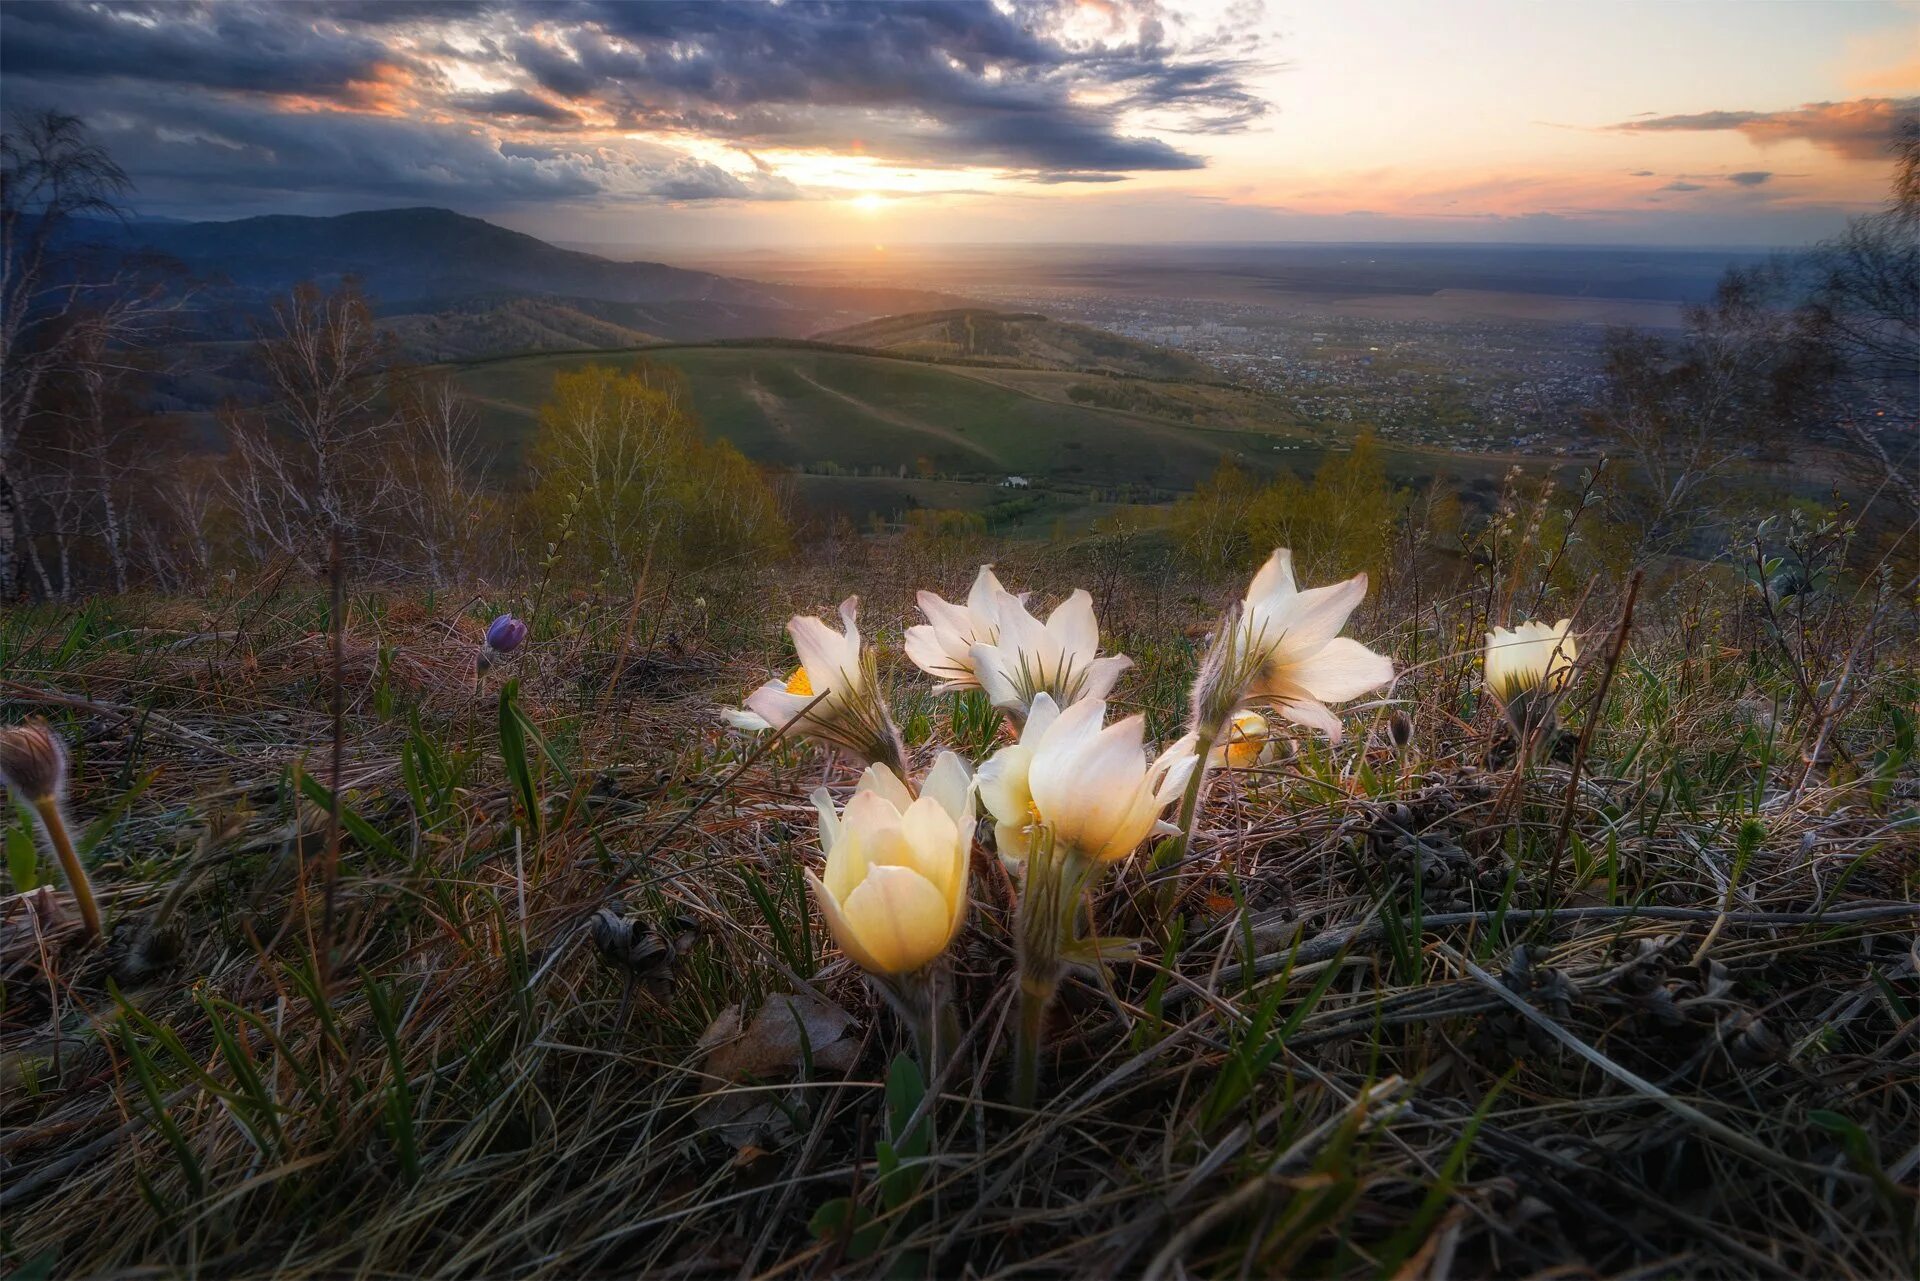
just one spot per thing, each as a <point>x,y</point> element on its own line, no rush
<point>1070,795</point>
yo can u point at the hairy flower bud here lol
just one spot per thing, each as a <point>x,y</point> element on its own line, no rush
<point>33,761</point>
<point>506,634</point>
<point>1400,729</point>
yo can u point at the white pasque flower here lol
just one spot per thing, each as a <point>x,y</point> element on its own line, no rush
<point>1092,786</point>
<point>943,645</point>
<point>1246,742</point>
<point>832,693</point>
<point>894,892</point>
<point>1528,658</point>
<point>1291,639</point>
<point>1057,658</point>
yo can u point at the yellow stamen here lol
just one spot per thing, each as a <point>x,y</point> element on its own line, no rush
<point>799,684</point>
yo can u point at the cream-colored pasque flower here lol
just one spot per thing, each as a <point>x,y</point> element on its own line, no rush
<point>1528,659</point>
<point>894,892</point>
<point>942,646</point>
<point>1246,741</point>
<point>831,698</point>
<point>1058,658</point>
<point>1093,787</point>
<point>1291,640</point>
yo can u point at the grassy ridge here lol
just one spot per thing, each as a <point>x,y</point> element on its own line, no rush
<point>796,406</point>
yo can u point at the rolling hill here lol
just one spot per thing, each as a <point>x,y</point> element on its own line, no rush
<point>805,408</point>
<point>867,434</point>
<point>415,262</point>
<point>1016,338</point>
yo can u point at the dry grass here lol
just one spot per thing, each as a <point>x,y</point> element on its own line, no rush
<point>1423,1016</point>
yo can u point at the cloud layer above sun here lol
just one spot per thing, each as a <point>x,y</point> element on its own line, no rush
<point>494,102</point>
<point>820,121</point>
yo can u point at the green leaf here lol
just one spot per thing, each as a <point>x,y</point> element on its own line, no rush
<point>355,826</point>
<point>23,853</point>
<point>841,1220</point>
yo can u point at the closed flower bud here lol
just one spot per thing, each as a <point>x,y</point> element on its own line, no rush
<point>506,634</point>
<point>894,890</point>
<point>33,762</point>
<point>1400,730</point>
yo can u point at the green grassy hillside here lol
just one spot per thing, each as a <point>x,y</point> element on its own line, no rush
<point>1018,338</point>
<point>874,434</point>
<point>801,408</point>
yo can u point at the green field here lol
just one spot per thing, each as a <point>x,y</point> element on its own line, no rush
<point>919,434</point>
<point>798,408</point>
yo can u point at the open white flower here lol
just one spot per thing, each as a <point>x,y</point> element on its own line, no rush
<point>943,645</point>
<point>1057,658</point>
<point>1003,781</point>
<point>1528,659</point>
<point>894,892</point>
<point>1246,742</point>
<point>1292,640</point>
<point>1092,786</point>
<point>832,698</point>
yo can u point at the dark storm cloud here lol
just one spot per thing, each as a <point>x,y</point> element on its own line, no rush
<point>514,103</point>
<point>211,46</point>
<point>1858,130</point>
<point>224,94</point>
<point>932,83</point>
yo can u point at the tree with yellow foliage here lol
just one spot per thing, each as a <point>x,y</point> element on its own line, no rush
<point>620,463</point>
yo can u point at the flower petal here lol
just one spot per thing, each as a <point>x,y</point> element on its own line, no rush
<point>1102,675</point>
<point>899,918</point>
<point>1343,669</point>
<point>837,925</point>
<point>1074,630</point>
<point>1307,620</point>
<point>1273,581</point>
<point>950,783</point>
<point>1313,715</point>
<point>1003,784</point>
<point>884,783</point>
<point>934,841</point>
<point>990,669</point>
<point>928,650</point>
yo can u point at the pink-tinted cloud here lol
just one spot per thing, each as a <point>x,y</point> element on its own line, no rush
<point>1856,130</point>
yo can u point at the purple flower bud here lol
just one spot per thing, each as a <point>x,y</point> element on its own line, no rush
<point>505,634</point>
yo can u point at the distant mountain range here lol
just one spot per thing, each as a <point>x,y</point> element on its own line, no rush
<point>498,290</point>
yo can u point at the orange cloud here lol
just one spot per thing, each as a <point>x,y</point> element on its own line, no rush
<point>1856,130</point>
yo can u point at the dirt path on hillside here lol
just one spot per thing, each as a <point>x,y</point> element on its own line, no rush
<point>893,419</point>
<point>771,407</point>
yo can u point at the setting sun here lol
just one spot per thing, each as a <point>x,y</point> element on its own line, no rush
<point>869,202</point>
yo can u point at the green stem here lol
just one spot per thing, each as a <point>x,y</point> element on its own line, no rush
<point>1174,853</point>
<point>56,825</point>
<point>1036,996</point>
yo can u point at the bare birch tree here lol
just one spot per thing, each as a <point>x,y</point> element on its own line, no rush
<point>68,305</point>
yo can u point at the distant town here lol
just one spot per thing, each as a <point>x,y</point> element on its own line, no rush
<point>1460,384</point>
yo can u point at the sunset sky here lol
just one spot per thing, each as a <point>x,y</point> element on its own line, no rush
<point>734,125</point>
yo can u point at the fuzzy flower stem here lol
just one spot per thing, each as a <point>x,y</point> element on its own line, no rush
<point>1056,879</point>
<point>56,824</point>
<point>1035,998</point>
<point>1169,856</point>
<point>915,998</point>
<point>1190,799</point>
